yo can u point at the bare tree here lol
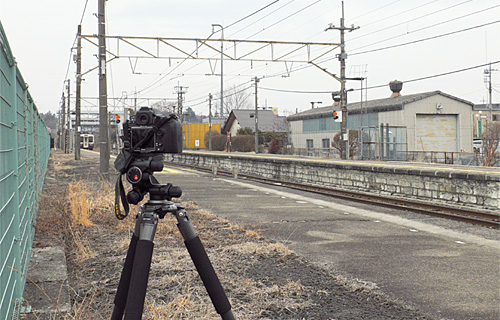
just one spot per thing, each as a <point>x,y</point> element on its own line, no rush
<point>491,141</point>
<point>234,98</point>
<point>165,107</point>
<point>353,143</point>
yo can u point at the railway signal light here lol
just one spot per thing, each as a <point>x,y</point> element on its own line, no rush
<point>117,119</point>
<point>337,116</point>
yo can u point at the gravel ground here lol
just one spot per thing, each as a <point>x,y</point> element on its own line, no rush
<point>262,278</point>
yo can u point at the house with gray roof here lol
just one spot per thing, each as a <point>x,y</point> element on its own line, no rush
<point>431,121</point>
<point>267,120</point>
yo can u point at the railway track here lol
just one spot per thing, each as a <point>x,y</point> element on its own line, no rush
<point>483,218</point>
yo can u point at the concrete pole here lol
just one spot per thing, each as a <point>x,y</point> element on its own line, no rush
<point>78,93</point>
<point>221,68</point>
<point>63,123</point>
<point>68,132</point>
<point>222,74</point>
<point>103,92</point>
<point>210,122</point>
<point>343,93</point>
<point>256,118</point>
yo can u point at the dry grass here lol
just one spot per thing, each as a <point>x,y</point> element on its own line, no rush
<point>261,278</point>
<point>81,245</point>
<point>80,201</point>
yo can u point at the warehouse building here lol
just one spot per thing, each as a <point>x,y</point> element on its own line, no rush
<point>430,121</point>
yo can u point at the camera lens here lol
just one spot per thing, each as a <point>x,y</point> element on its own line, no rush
<point>144,118</point>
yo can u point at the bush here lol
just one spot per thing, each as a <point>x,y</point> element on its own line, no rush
<point>218,141</point>
<point>244,143</point>
<point>275,146</point>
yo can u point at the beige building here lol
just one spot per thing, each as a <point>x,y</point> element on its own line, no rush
<point>430,121</point>
<point>483,115</point>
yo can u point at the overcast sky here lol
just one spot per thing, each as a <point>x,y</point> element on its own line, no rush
<point>42,33</point>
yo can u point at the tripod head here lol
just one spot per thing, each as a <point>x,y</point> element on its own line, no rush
<point>140,176</point>
<point>139,170</point>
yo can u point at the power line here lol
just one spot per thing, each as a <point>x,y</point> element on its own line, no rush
<point>267,15</point>
<point>426,15</point>
<point>405,22</point>
<point>385,85</point>
<point>427,27</point>
<point>178,65</point>
<point>411,20</point>
<point>425,39</point>
<point>251,14</point>
<point>295,91</point>
<point>234,87</point>
<point>259,20</point>
<point>285,18</point>
<point>73,44</point>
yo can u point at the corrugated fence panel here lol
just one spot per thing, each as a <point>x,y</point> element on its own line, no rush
<point>24,152</point>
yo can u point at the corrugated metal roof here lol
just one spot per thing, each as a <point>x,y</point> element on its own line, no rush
<point>268,121</point>
<point>371,106</point>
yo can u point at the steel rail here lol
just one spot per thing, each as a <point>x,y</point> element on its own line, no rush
<point>484,218</point>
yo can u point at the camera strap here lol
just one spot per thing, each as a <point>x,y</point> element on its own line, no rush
<point>121,164</point>
<point>120,193</point>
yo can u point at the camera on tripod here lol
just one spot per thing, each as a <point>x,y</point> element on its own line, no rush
<point>146,137</point>
<point>148,132</point>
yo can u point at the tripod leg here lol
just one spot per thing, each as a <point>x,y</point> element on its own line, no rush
<point>204,266</point>
<point>142,263</point>
<point>123,285</point>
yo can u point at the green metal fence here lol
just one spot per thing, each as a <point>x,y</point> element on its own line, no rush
<point>24,152</point>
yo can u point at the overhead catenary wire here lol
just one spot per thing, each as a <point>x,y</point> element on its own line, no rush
<point>373,87</point>
<point>414,19</point>
<point>385,85</point>
<point>392,47</point>
<point>419,17</point>
<point>73,44</point>
<point>252,14</point>
<point>427,39</point>
<point>232,24</point>
<point>287,17</point>
<point>428,27</point>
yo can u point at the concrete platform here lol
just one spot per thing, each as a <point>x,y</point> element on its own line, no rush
<point>475,187</point>
<point>46,293</point>
<point>449,270</point>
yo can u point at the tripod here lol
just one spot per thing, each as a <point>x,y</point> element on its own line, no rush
<point>131,293</point>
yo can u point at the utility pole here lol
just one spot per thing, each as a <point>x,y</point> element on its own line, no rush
<point>103,91</point>
<point>68,132</point>
<point>221,68</point>
<point>63,123</point>
<point>78,92</point>
<point>256,117</point>
<point>180,91</point>
<point>343,94</point>
<point>209,122</point>
<point>488,73</point>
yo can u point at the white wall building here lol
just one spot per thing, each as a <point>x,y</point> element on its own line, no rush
<point>434,121</point>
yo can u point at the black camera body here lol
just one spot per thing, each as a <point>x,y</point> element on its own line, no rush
<point>147,136</point>
<point>148,132</point>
